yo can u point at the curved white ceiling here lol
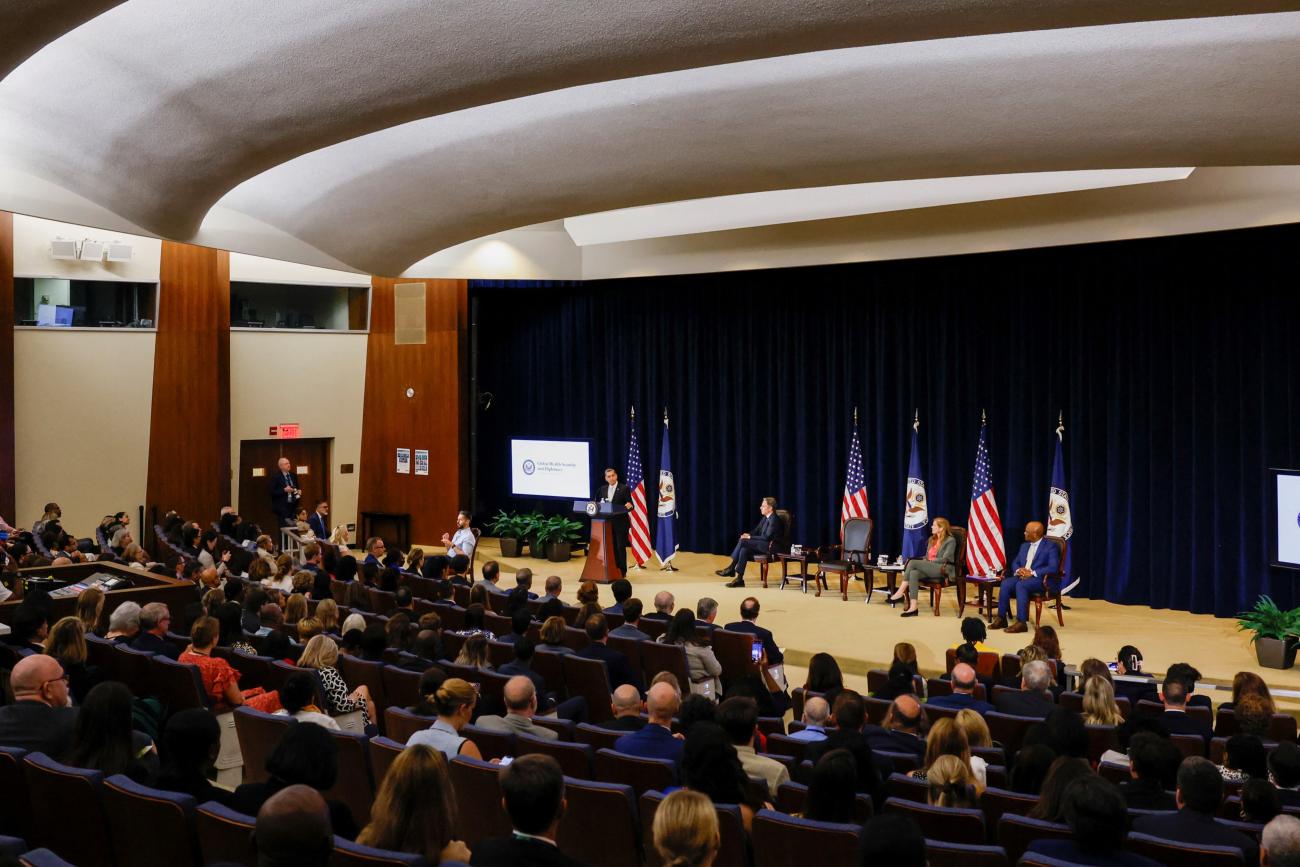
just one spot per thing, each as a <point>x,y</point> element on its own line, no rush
<point>373,134</point>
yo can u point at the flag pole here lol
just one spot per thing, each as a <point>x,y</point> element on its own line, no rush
<point>668,565</point>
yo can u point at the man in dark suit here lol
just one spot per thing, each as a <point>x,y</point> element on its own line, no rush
<point>39,720</point>
<point>756,541</point>
<point>900,731</point>
<point>1284,768</point>
<point>1147,755</point>
<point>622,589</point>
<point>532,788</point>
<point>1200,789</point>
<point>155,618</point>
<point>626,706</point>
<point>1175,718</point>
<point>319,522</point>
<point>1035,695</point>
<point>1037,558</point>
<point>620,671</point>
<point>749,623</point>
<point>962,697</point>
<point>285,493</point>
<point>655,740</point>
<point>313,562</point>
<point>619,497</point>
<point>631,617</point>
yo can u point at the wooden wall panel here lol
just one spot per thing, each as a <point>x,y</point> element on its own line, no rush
<point>189,430</point>
<point>7,410</point>
<point>434,419</point>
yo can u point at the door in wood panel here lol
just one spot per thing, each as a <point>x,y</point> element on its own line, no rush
<point>257,464</point>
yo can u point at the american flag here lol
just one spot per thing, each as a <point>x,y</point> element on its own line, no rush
<point>855,485</point>
<point>639,533</point>
<point>984,552</point>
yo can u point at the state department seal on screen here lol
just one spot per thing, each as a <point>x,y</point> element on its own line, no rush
<point>529,468</point>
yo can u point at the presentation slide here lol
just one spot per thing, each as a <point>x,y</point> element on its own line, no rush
<point>1288,519</point>
<point>550,468</point>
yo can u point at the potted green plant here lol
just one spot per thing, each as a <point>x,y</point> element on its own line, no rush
<point>510,528</point>
<point>531,524</point>
<point>1274,632</point>
<point>556,536</point>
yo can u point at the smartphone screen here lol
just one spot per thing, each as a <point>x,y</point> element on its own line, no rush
<point>756,651</point>
<point>1113,666</point>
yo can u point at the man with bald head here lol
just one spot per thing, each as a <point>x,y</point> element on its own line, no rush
<point>626,705</point>
<point>40,719</point>
<point>656,740</point>
<point>293,829</point>
<point>900,731</point>
<point>1036,560</point>
<point>816,712</point>
<point>963,683</point>
<point>665,602</point>
<point>521,707</point>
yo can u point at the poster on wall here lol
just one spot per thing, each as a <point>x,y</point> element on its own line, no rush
<point>404,461</point>
<point>422,462</point>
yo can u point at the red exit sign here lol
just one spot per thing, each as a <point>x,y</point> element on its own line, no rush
<point>288,431</point>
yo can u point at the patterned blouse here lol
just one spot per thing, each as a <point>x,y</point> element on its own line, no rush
<point>336,692</point>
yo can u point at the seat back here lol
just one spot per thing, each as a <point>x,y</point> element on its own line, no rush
<point>357,671</point>
<point>132,668</point>
<point>1101,739</point>
<point>732,846</point>
<point>491,743</point>
<point>598,737</point>
<point>550,665</point>
<point>502,653</point>
<point>16,817</point>
<point>781,840</point>
<point>1009,730</point>
<point>1189,745</point>
<point>253,670</point>
<point>169,817</point>
<point>733,652</point>
<point>902,762</point>
<point>355,785</point>
<point>908,788</point>
<point>178,686</point>
<point>401,687</point>
<point>792,797</point>
<point>1184,854</point>
<point>478,797</point>
<point>939,853</point>
<point>958,569</point>
<point>784,745</point>
<point>656,657</point>
<point>588,678</point>
<point>66,792</point>
<point>857,539</point>
<point>259,734</point>
<point>954,824</point>
<point>562,727</point>
<point>641,774</point>
<point>575,759</point>
<point>224,835</point>
<point>1015,833</point>
<point>400,723</point>
<point>99,650</point>
<point>997,801</point>
<point>349,854</point>
<point>613,840</point>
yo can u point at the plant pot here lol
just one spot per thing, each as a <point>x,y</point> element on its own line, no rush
<point>537,549</point>
<point>1275,652</point>
<point>559,552</point>
<point>509,547</point>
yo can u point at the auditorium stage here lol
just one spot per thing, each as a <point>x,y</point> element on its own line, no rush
<point>862,636</point>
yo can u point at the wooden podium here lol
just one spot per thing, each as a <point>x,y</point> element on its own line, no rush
<point>600,566</point>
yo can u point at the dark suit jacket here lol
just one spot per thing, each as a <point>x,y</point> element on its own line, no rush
<point>774,654</point>
<point>37,727</point>
<point>318,525</point>
<point>1025,703</point>
<point>1189,826</point>
<point>628,724</point>
<point>620,671</point>
<point>1179,723</point>
<point>890,741</point>
<point>1142,795</point>
<point>651,742</point>
<point>1047,559</point>
<point>150,643</point>
<point>519,852</point>
<point>767,528</point>
<point>320,585</point>
<point>280,503</point>
<point>1069,851</point>
<point>622,496</point>
<point>961,701</point>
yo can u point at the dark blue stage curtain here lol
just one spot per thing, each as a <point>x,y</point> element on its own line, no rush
<point>1175,361</point>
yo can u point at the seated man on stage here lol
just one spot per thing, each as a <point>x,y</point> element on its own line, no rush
<point>1036,560</point>
<point>463,541</point>
<point>754,542</point>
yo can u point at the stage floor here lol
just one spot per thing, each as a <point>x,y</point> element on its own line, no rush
<point>862,636</point>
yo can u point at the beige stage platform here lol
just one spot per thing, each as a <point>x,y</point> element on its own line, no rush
<point>862,636</point>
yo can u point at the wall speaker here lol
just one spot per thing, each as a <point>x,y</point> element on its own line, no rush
<point>91,251</point>
<point>63,249</point>
<point>408,314</point>
<point>120,252</point>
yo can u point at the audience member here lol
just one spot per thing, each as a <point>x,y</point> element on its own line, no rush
<point>695,709</point>
<point>190,745</point>
<point>1248,683</point>
<point>454,701</point>
<point>749,610</point>
<point>706,611</point>
<point>974,632</point>
<point>1051,800</point>
<point>430,682</point>
<point>520,620</point>
<point>1199,792</point>
<point>893,839</point>
<point>1175,718</point>
<point>1149,757</point>
<point>41,718</point>
<point>622,590</point>
<point>711,766</point>
<point>824,676</point>
<point>524,581</point>
<point>220,678</point>
<point>632,609</point>
<point>1280,843</point>
<point>90,609</point>
<point>306,755</point>
<point>521,707</point>
<point>739,719</point>
<point>655,740</point>
<point>701,662</point>
<point>963,681</point>
<point>686,830</point>
<point>1034,698</point>
<point>155,618</point>
<point>832,788</point>
<point>553,587</point>
<point>815,714</point>
<point>1259,801</point>
<point>626,706</point>
<point>1243,759</point>
<point>298,697</point>
<point>1030,768</point>
<point>295,828</point>
<point>67,643</point>
<point>951,784</point>
<point>900,731</point>
<point>532,789</point>
<point>1094,810</point>
<point>322,654</point>
<point>1254,714</point>
<point>124,623</point>
<point>415,809</point>
<point>1099,706</point>
<point>29,626</point>
<point>664,605</point>
<point>552,636</point>
<point>1284,771</point>
<point>946,738</point>
<point>616,664</point>
<point>103,739</point>
<point>849,714</point>
<point>491,579</point>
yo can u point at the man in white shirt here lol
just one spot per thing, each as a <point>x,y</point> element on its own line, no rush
<point>1035,561</point>
<point>462,541</point>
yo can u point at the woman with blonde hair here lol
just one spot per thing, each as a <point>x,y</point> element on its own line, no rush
<point>66,642</point>
<point>946,738</point>
<point>327,612</point>
<point>90,608</point>
<point>474,653</point>
<point>686,830</point>
<point>1099,705</point>
<point>940,555</point>
<point>295,609</point>
<point>414,560</point>
<point>976,730</point>
<point>415,809</point>
<point>454,701</point>
<point>552,636</point>
<point>905,654</point>
<point>951,783</point>
<point>322,654</point>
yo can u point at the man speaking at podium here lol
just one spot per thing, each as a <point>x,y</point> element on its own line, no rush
<point>619,497</point>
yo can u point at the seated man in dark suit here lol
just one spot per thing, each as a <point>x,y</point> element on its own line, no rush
<point>622,589</point>
<point>532,789</point>
<point>706,611</point>
<point>620,671</point>
<point>756,541</point>
<point>1035,695</point>
<point>656,740</point>
<point>1189,676</point>
<point>900,731</point>
<point>1200,789</point>
<point>1148,754</point>
<point>29,627</point>
<point>1284,768</point>
<point>519,623</point>
<point>749,623</point>
<point>1095,812</point>
<point>1175,718</point>
<point>664,605</point>
<point>460,570</point>
<point>492,578</point>
<point>155,618</point>
<point>1038,558</point>
<point>631,618</point>
<point>963,682</point>
<point>626,705</point>
<point>39,720</point>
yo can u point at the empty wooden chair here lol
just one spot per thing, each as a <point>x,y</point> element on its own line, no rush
<point>169,817</point>
<point>954,824</point>
<point>612,839</point>
<point>781,840</point>
<point>641,774</point>
<point>62,792</point>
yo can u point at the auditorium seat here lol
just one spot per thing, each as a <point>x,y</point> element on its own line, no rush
<point>629,647</point>
<point>355,785</point>
<point>43,858</point>
<point>732,846</point>
<point>1010,666</point>
<point>1184,854</point>
<point>168,816</point>
<point>98,651</point>
<point>781,840</point>
<point>494,622</point>
<point>357,671</point>
<point>258,733</point>
<point>598,737</point>
<point>588,678</point>
<point>987,665</point>
<point>733,651</point>
<point>1114,772</point>
<point>876,709</point>
<point>940,853</point>
<point>954,824</point>
<point>991,755</point>
<point>401,687</point>
<point>349,854</point>
<point>478,797</point>
<point>383,751</point>
<point>500,653</point>
<point>382,602</point>
<point>1009,730</point>
<point>1189,745</point>
<point>641,774</point>
<point>1015,833</point>
<point>791,797</point>
<point>253,670</point>
<point>491,743</point>
<point>16,817</point>
<point>575,759</point>
<point>178,641</point>
<point>131,667</point>
<point>1100,739</point>
<point>177,685</point>
<point>63,792</point>
<point>902,762</point>
<point>562,727</point>
<point>550,666</point>
<point>224,835</point>
<point>657,657</point>
<point>787,746</point>
<point>575,639</point>
<point>451,644</point>
<point>907,788</point>
<point>400,724</point>
<point>492,691</point>
<point>612,839</point>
